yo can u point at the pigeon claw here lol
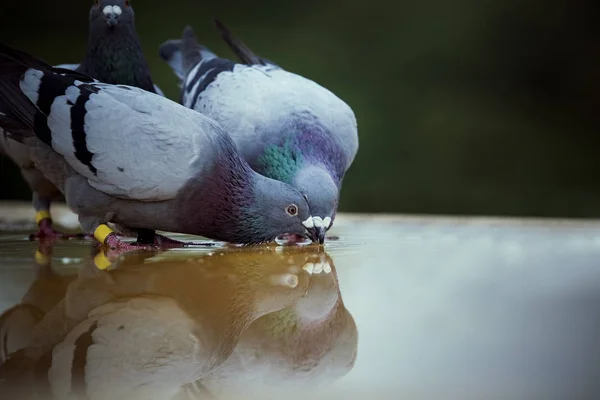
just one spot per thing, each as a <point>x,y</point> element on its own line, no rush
<point>46,231</point>
<point>108,237</point>
<point>113,242</point>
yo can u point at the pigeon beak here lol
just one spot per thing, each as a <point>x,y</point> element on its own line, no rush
<point>112,20</point>
<point>317,227</point>
<point>317,234</point>
<point>111,15</point>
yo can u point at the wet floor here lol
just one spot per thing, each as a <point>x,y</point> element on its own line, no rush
<point>398,308</point>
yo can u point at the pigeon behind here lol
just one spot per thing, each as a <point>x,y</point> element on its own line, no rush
<point>287,127</point>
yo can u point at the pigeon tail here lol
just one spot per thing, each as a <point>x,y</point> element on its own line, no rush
<point>242,51</point>
<point>184,54</point>
<point>16,110</point>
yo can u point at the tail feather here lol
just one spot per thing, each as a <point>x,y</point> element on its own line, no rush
<point>17,110</point>
<point>170,51</point>
<point>184,54</point>
<point>242,51</point>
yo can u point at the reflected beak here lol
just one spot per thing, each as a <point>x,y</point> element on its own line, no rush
<point>111,15</point>
<point>317,234</point>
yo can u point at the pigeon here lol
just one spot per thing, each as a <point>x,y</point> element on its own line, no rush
<point>286,126</point>
<point>47,289</point>
<point>113,55</point>
<point>124,155</point>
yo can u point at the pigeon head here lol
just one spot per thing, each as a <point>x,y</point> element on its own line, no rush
<point>309,160</point>
<point>110,14</point>
<point>278,208</point>
<point>113,52</point>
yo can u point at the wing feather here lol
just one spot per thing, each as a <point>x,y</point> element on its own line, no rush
<point>127,142</point>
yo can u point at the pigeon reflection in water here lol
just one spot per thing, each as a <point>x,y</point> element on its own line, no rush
<point>166,325</point>
<point>47,289</point>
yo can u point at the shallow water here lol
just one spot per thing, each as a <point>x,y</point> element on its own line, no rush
<point>396,308</point>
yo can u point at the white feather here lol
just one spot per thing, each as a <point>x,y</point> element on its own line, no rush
<point>61,116</point>
<point>30,84</point>
<point>72,67</point>
<point>187,100</point>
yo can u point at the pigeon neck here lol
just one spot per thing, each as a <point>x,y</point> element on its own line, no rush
<point>227,196</point>
<point>303,147</point>
<point>310,160</point>
<point>116,57</point>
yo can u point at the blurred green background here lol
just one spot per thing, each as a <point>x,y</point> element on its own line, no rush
<point>463,107</point>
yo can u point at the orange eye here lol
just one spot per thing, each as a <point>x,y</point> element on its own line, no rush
<point>126,3</point>
<point>292,210</point>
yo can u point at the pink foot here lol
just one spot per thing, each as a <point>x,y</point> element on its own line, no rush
<point>46,231</point>
<point>164,242</point>
<point>114,243</point>
<point>116,247</point>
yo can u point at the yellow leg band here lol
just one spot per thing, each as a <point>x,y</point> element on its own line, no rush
<point>40,215</point>
<point>101,261</point>
<point>102,232</point>
<point>41,259</point>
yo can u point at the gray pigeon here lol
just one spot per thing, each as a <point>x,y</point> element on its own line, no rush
<point>124,155</point>
<point>286,126</point>
<point>113,55</point>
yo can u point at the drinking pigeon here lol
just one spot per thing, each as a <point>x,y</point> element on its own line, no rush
<point>286,126</point>
<point>113,55</point>
<point>124,155</point>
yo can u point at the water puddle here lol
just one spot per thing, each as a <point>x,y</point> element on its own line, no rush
<point>390,308</point>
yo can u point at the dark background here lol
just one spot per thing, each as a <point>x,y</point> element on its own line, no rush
<point>463,107</point>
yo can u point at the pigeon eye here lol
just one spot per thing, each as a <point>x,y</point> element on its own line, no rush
<point>292,210</point>
<point>96,3</point>
<point>126,3</point>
